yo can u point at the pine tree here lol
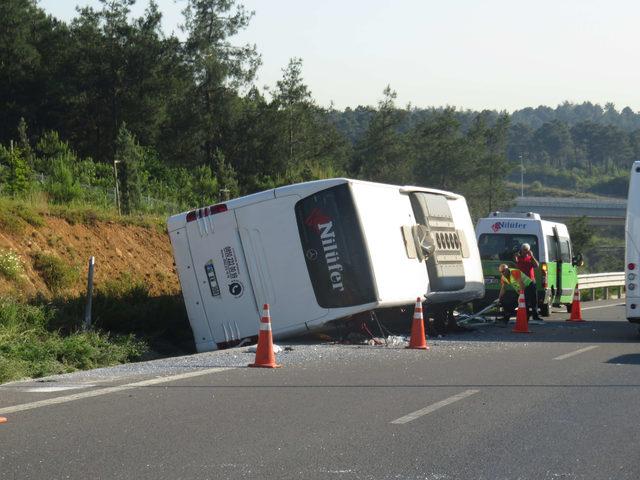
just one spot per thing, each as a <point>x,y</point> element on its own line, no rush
<point>383,154</point>
<point>226,177</point>
<point>129,155</point>
<point>16,174</point>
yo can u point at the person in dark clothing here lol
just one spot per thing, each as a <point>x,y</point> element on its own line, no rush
<point>527,263</point>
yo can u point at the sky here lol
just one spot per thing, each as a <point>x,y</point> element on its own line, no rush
<point>495,54</point>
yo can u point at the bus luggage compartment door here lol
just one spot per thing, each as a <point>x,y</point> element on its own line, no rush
<point>444,265</point>
<point>202,334</point>
<point>223,278</point>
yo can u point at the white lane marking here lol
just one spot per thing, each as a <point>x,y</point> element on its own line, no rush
<point>577,352</point>
<point>105,391</point>
<point>603,306</point>
<point>55,389</point>
<point>433,407</point>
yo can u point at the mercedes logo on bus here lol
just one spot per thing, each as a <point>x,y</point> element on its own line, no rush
<point>312,254</point>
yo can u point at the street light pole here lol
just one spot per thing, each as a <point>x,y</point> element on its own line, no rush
<point>521,176</point>
<point>115,173</point>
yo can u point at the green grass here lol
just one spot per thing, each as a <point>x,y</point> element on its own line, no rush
<point>17,213</point>
<point>30,348</point>
<point>55,272</point>
<point>124,306</point>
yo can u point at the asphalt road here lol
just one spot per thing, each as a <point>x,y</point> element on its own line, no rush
<point>559,403</point>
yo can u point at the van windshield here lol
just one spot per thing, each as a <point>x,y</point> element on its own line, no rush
<point>502,246</point>
<point>334,248</point>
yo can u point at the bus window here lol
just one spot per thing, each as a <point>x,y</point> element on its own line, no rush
<point>334,248</point>
<point>502,246</point>
<point>552,248</point>
<point>565,250</point>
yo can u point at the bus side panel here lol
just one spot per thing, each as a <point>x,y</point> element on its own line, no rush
<point>383,211</point>
<point>218,260</point>
<point>191,293</point>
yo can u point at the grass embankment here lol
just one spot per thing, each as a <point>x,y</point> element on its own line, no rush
<point>42,338</point>
<point>16,214</point>
<point>30,348</point>
<point>137,313</point>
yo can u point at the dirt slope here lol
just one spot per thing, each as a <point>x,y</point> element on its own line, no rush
<point>140,252</point>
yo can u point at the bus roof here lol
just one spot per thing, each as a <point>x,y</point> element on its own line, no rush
<point>303,189</point>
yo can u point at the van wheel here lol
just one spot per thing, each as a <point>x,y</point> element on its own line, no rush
<point>568,307</point>
<point>544,310</point>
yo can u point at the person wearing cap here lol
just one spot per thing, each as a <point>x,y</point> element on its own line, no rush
<point>527,263</point>
<point>519,282</point>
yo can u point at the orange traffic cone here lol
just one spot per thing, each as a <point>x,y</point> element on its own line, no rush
<point>265,358</point>
<point>576,314</point>
<point>418,338</point>
<point>522,321</point>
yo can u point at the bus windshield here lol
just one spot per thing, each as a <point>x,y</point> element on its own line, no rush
<point>502,246</point>
<point>334,248</point>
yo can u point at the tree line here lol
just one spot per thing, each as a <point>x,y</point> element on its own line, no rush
<point>181,119</point>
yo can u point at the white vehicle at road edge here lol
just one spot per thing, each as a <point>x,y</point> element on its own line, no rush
<point>632,246</point>
<point>320,251</point>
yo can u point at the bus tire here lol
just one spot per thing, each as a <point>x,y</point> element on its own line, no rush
<point>544,310</point>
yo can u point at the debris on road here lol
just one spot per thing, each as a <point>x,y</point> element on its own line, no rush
<point>276,348</point>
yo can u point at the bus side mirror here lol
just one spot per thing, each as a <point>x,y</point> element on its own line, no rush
<point>577,260</point>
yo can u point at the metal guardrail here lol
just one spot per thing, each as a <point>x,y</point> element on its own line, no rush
<point>601,280</point>
<point>591,281</point>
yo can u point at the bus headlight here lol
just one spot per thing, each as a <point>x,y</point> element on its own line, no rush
<point>632,276</point>
<point>632,286</point>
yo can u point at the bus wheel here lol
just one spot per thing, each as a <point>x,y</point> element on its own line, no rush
<point>544,310</point>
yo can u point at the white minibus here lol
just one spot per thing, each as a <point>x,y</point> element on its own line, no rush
<point>632,241</point>
<point>500,236</point>
<point>320,251</point>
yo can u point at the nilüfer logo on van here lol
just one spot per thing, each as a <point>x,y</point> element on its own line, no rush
<point>496,227</point>
<point>324,226</point>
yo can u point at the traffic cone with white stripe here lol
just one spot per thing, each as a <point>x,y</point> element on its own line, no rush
<point>576,313</point>
<point>522,320</point>
<point>265,358</point>
<point>418,338</point>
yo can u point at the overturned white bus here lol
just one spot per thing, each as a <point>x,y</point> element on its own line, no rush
<point>320,251</point>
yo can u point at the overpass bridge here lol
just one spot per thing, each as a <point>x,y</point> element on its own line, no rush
<point>599,211</point>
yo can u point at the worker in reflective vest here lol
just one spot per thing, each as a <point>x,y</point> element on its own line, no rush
<point>519,281</point>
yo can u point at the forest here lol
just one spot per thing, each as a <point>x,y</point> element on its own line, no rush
<point>181,122</point>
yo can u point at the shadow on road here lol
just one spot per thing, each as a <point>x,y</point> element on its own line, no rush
<point>591,331</point>
<point>628,359</point>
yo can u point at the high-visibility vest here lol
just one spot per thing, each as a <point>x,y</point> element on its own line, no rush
<point>513,279</point>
